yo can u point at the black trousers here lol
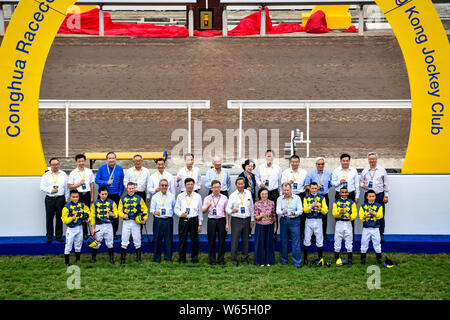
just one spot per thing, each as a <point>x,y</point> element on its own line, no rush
<point>239,229</point>
<point>216,227</point>
<point>302,196</point>
<point>53,207</point>
<point>188,227</point>
<point>115,221</point>
<point>85,197</point>
<point>352,196</point>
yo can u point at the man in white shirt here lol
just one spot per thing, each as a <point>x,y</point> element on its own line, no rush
<point>269,176</point>
<point>139,175</point>
<point>153,182</point>
<point>82,179</point>
<point>54,185</point>
<point>189,208</point>
<point>346,176</point>
<point>241,210</point>
<point>189,171</point>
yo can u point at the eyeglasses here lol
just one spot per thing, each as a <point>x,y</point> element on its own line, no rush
<point>320,164</point>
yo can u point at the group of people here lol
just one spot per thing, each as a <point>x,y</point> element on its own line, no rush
<point>294,201</point>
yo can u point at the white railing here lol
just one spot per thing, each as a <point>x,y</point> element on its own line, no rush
<point>308,105</point>
<point>125,104</point>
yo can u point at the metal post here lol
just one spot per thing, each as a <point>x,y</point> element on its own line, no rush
<point>263,22</point>
<point>240,131</point>
<point>307,130</point>
<point>225,22</point>
<point>360,20</point>
<point>292,142</point>
<point>101,22</point>
<point>67,129</point>
<point>191,22</point>
<point>2,21</point>
<point>189,128</point>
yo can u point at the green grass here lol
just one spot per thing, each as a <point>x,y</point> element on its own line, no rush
<point>417,276</point>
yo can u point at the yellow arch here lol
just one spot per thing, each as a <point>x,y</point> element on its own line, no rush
<point>34,25</point>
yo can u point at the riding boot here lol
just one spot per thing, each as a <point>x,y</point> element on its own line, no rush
<point>111,255</point>
<point>94,255</point>
<point>123,255</point>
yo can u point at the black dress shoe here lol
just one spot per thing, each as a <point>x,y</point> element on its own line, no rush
<point>212,263</point>
<point>60,239</point>
<point>182,261</point>
<point>49,240</point>
<point>221,263</point>
<point>194,261</point>
<point>235,263</point>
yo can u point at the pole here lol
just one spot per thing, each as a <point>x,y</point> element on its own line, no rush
<point>101,22</point>
<point>240,131</point>
<point>67,129</point>
<point>2,21</point>
<point>189,128</point>
<point>263,22</point>
<point>360,20</point>
<point>307,130</point>
<point>191,22</point>
<point>225,22</point>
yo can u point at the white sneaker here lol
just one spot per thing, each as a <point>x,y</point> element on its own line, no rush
<point>268,265</point>
<point>262,265</point>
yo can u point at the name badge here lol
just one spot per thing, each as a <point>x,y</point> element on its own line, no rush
<point>370,184</point>
<point>214,212</point>
<point>188,210</point>
<point>295,185</point>
<point>243,210</point>
<point>345,185</point>
<point>163,211</point>
<point>83,186</point>
<point>267,183</point>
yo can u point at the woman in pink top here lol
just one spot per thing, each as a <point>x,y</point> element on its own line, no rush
<point>265,217</point>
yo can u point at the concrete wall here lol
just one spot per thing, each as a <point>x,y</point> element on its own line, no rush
<point>418,205</point>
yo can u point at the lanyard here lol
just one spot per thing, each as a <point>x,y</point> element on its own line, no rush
<point>372,175</point>
<point>249,179</point>
<point>215,203</point>
<point>320,177</point>
<point>267,172</point>
<point>134,172</point>
<point>287,207</point>
<point>163,202</point>
<point>344,174</point>
<point>55,181</point>
<point>241,199</point>
<point>160,176</point>
<point>298,173</point>
<point>215,174</point>
<point>112,173</point>
<point>192,172</point>
<point>188,204</point>
<point>83,177</point>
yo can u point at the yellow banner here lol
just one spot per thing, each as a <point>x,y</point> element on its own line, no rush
<point>34,25</point>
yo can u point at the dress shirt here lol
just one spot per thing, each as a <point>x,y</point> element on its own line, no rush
<point>103,175</point>
<point>237,200</point>
<point>139,177</point>
<point>322,179</point>
<point>49,179</point>
<point>294,205</point>
<point>156,177</point>
<point>194,202</point>
<point>378,176</point>
<point>157,203</point>
<point>76,176</point>
<point>299,178</point>
<point>219,204</point>
<point>194,174</point>
<point>351,176</point>
<point>272,173</point>
<point>223,177</point>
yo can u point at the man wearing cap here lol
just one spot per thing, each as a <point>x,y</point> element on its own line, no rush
<point>374,177</point>
<point>322,177</point>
